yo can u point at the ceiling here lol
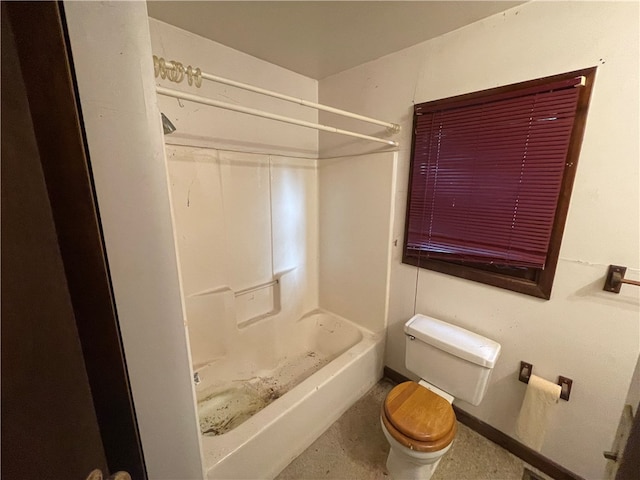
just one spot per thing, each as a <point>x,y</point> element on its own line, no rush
<point>318,39</point>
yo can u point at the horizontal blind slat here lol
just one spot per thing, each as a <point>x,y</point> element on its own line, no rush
<point>486,176</point>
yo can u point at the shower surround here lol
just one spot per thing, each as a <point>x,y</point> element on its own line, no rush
<point>283,261</point>
<point>270,362</point>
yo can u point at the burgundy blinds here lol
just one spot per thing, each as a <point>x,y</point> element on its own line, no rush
<point>486,174</point>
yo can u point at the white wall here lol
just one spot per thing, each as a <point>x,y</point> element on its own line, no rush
<point>112,60</point>
<point>356,211</point>
<point>583,333</point>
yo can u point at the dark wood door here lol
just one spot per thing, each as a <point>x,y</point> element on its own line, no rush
<point>66,402</point>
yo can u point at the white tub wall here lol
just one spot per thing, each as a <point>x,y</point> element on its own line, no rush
<point>356,194</point>
<point>294,210</point>
<point>211,323</point>
<point>225,202</point>
<point>294,230</point>
<point>245,193</point>
<point>196,193</point>
<point>584,333</point>
<point>243,220</point>
<point>249,170</point>
<point>121,120</point>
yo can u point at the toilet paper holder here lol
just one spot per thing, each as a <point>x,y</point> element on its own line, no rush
<point>526,369</point>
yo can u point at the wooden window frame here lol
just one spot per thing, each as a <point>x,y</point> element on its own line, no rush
<point>530,281</point>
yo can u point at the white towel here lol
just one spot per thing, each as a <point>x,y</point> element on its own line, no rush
<point>532,422</point>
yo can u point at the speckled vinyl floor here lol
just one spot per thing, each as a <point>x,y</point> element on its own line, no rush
<point>354,448</point>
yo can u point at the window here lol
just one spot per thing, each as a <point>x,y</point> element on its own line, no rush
<point>490,181</point>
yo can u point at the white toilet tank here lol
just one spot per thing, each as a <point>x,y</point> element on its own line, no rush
<point>453,359</point>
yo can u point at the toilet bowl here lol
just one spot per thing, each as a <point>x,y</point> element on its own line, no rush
<point>420,426</point>
<point>417,418</point>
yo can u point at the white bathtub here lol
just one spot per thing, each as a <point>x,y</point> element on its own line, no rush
<point>349,359</point>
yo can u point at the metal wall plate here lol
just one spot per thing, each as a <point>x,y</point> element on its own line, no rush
<point>614,275</point>
<point>526,369</point>
<point>565,383</point>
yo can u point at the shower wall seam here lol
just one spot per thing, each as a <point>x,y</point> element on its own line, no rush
<point>271,226</point>
<point>271,154</point>
<point>250,152</point>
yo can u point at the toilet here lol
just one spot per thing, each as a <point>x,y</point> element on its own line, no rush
<point>417,417</point>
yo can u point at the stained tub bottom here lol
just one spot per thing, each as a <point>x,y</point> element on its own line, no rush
<point>224,408</point>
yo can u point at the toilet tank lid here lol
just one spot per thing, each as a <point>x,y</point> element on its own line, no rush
<point>454,340</point>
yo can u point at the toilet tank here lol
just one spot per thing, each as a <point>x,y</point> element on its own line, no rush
<point>453,359</point>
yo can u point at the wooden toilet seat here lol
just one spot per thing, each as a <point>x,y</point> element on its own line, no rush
<point>418,418</point>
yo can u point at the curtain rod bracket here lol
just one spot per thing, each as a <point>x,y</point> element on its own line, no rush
<point>615,279</point>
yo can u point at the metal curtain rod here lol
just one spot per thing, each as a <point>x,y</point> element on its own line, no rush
<point>162,68</point>
<point>259,113</point>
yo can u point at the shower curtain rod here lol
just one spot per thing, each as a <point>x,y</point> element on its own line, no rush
<point>393,127</point>
<point>161,67</point>
<point>259,113</point>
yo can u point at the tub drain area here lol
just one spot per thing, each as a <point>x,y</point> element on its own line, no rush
<point>231,405</point>
<point>224,411</point>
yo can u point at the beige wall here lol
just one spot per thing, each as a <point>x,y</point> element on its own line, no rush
<point>583,333</point>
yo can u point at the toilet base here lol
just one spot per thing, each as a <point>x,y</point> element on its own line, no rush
<point>405,464</point>
<point>400,467</point>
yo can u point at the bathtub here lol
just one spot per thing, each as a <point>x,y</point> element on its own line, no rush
<point>324,365</point>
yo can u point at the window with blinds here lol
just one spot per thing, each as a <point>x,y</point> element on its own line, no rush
<point>490,181</point>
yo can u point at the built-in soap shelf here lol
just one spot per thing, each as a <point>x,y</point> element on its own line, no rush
<point>257,302</point>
